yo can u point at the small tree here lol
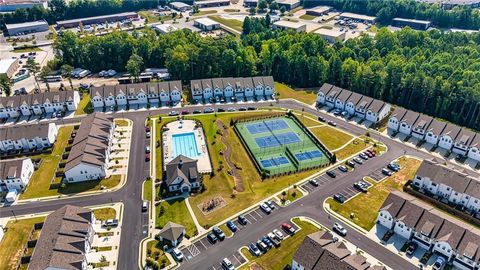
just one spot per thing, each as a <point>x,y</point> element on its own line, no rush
<point>283,10</point>
<point>43,75</point>
<point>5,85</point>
<point>252,11</point>
<point>262,5</point>
<point>134,65</point>
<point>67,72</point>
<point>34,68</point>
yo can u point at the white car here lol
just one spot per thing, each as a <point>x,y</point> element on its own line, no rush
<point>265,208</point>
<point>177,254</point>
<point>278,234</point>
<point>339,229</point>
<point>227,264</point>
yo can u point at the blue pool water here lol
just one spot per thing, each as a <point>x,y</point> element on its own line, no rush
<point>185,144</point>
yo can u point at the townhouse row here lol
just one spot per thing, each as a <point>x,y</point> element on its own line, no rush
<point>232,89</point>
<point>453,187</point>
<point>431,229</point>
<point>15,174</point>
<point>38,104</point>
<point>354,104</point>
<point>448,136</point>
<point>27,138</point>
<point>154,94</point>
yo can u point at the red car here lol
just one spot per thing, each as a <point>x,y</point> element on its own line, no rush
<point>147,157</point>
<point>288,228</point>
<point>147,129</point>
<point>369,154</point>
<point>185,112</point>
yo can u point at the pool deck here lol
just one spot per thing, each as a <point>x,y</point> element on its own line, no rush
<point>186,126</point>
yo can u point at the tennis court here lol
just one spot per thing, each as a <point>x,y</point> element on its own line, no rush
<point>280,145</point>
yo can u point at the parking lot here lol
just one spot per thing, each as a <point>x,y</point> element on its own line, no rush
<point>351,191</point>
<point>377,175</point>
<point>203,243</point>
<point>322,180</point>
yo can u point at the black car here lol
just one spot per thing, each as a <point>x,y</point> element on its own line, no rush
<point>350,163</point>
<point>331,174</point>
<point>242,109</point>
<point>219,233</point>
<point>242,220</point>
<point>321,119</point>
<point>313,182</point>
<point>212,238</point>
<point>339,198</point>
<point>197,111</point>
<point>360,185</point>
<point>220,110</point>
<point>251,108</point>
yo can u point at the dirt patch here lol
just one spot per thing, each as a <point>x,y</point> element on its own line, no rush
<point>212,205</point>
<point>228,151</point>
<point>255,266</point>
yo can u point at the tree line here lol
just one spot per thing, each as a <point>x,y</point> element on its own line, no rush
<point>433,72</point>
<point>60,10</point>
<point>461,16</point>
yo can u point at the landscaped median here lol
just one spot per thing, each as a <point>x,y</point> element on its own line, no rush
<point>279,258</point>
<point>357,145</point>
<point>363,208</point>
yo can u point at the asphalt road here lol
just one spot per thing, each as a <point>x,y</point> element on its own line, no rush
<point>135,223</point>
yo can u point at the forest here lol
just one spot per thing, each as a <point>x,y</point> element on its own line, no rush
<point>462,17</point>
<point>433,72</point>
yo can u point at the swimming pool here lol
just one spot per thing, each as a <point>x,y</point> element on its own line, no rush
<point>185,144</point>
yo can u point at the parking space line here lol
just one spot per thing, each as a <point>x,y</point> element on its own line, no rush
<point>252,217</point>
<point>236,259</point>
<point>203,243</point>
<point>260,216</point>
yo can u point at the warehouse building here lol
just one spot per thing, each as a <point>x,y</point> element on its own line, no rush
<point>415,24</point>
<point>26,27</point>
<point>319,10</point>
<point>206,24</point>
<point>97,19</point>
<point>212,3</point>
<point>180,6</point>
<point>12,5</point>
<point>8,67</point>
<point>358,17</point>
<point>164,28</point>
<point>289,4</point>
<point>330,35</point>
<point>287,25</point>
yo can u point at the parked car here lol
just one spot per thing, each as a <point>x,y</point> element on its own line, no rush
<point>270,204</point>
<point>212,238</point>
<point>262,246</point>
<point>313,182</point>
<point>321,119</point>
<point>358,160</point>
<point>273,239</point>
<point>144,206</point>
<point>439,263</point>
<point>363,156</point>
<point>147,149</point>
<point>197,111</point>
<point>350,163</point>
<point>231,226</point>
<point>242,109</point>
<point>339,198</point>
<point>110,223</point>
<point>411,248</point>
<point>337,112</point>
<point>369,154</point>
<point>278,234</point>
<point>288,228</point>
<point>173,113</point>
<point>147,157</point>
<point>331,174</point>
<point>147,128</point>
<point>331,123</point>
<point>219,233</point>
<point>343,168</point>
<point>339,229</point>
<point>177,254</point>
<point>242,220</point>
<point>267,242</point>
<point>387,172</point>
<point>231,109</point>
<point>220,110</point>
<point>184,112</point>
<point>208,110</point>
<point>360,185</point>
<point>227,264</point>
<point>265,208</point>
<point>254,250</point>
<point>394,166</point>
<point>344,114</point>
<point>251,108</point>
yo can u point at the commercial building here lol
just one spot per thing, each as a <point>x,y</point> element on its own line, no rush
<point>318,10</point>
<point>15,174</point>
<point>415,24</point>
<point>182,175</point>
<point>331,35</point>
<point>12,5</point>
<point>212,3</point>
<point>449,4</point>
<point>206,24</point>
<point>288,4</point>
<point>288,25</point>
<point>8,67</point>
<point>358,17</point>
<point>232,89</point>
<point>27,138</point>
<point>90,152</point>
<point>431,229</point>
<point>97,19</point>
<point>65,239</point>
<point>138,94</point>
<point>180,6</point>
<point>38,104</point>
<point>27,27</point>
<point>164,28</point>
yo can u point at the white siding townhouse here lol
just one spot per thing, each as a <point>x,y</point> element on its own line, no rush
<point>47,102</point>
<point>15,174</point>
<point>449,185</point>
<point>448,136</point>
<point>90,152</point>
<point>395,118</point>
<point>377,111</point>
<point>138,94</point>
<point>342,99</point>
<point>434,130</point>
<point>463,141</point>
<point>27,138</point>
<point>431,229</point>
<point>232,89</point>
<point>352,102</point>
<point>322,93</point>
<point>474,151</point>
<point>362,106</point>
<point>420,127</point>
<point>407,121</point>
<point>331,96</point>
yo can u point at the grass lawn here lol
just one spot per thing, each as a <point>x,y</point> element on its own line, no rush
<point>221,184</point>
<point>147,189</point>
<point>14,240</point>
<point>155,251</point>
<point>332,138</point>
<point>292,195</point>
<point>149,16</point>
<point>84,107</point>
<point>307,119</point>
<point>93,185</point>
<point>284,91</point>
<point>105,213</point>
<point>356,146</point>
<point>366,205</point>
<point>307,17</point>
<point>231,10</point>
<point>121,122</point>
<point>279,257</point>
<point>232,23</point>
<point>226,230</point>
<point>204,12</point>
<point>27,50</point>
<point>175,211</point>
